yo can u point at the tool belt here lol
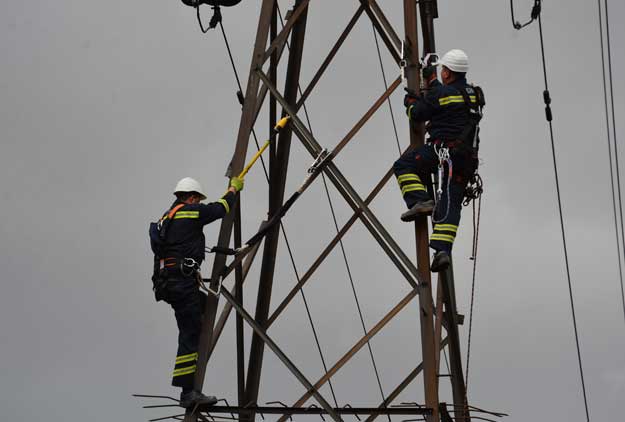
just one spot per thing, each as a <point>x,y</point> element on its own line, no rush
<point>165,268</point>
<point>185,266</point>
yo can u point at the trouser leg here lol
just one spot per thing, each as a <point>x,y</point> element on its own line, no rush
<point>412,170</point>
<point>188,303</point>
<point>446,227</point>
<point>447,220</point>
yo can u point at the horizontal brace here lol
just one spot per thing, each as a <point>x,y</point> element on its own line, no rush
<point>274,410</point>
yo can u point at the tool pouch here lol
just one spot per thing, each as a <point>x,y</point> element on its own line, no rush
<point>159,282</point>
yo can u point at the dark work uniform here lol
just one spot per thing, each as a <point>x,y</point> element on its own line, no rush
<point>185,239</point>
<point>445,109</point>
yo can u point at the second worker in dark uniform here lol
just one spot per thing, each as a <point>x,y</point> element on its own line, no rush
<point>453,110</point>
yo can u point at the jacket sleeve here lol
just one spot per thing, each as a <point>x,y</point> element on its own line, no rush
<point>424,107</point>
<point>216,210</point>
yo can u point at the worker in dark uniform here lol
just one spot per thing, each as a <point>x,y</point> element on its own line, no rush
<point>177,263</point>
<point>452,110</point>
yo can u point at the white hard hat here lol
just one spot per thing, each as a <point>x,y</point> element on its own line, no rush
<point>188,184</point>
<point>455,60</point>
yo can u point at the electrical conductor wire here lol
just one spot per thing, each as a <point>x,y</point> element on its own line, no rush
<point>618,177</point>
<point>566,257</point>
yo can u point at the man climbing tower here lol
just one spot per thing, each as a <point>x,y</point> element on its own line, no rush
<point>179,247</point>
<point>453,110</point>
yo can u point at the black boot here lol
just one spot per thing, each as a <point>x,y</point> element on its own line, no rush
<point>440,262</point>
<point>191,398</point>
<point>418,209</point>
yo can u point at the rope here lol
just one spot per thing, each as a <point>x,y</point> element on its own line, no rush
<point>618,177</point>
<point>476,232</point>
<point>286,239</point>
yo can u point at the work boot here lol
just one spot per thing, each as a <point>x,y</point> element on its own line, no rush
<point>440,262</point>
<point>193,398</point>
<point>418,209</point>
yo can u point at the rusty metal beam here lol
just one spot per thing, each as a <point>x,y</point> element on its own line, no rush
<point>393,48</point>
<point>225,312</point>
<point>236,165</point>
<point>275,410</point>
<point>402,385</point>
<point>278,166</point>
<point>284,33</point>
<point>258,330</point>
<point>461,412</point>
<point>388,244</point>
<point>367,116</point>
<point>379,14</point>
<point>351,352</point>
<point>428,353</point>
<point>329,58</point>
<point>327,250</point>
<point>238,287</point>
<point>427,9</point>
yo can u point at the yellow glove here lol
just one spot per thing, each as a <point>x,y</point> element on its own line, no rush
<point>237,183</point>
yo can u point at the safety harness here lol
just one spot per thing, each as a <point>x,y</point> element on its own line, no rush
<point>470,138</point>
<point>164,265</point>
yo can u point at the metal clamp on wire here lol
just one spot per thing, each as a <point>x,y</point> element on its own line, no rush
<point>321,158</point>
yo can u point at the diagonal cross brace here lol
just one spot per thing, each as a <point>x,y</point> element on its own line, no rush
<point>280,354</point>
<point>388,244</point>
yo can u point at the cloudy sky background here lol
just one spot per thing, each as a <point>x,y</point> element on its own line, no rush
<point>105,105</point>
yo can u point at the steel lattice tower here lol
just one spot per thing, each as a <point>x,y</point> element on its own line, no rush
<point>438,320</point>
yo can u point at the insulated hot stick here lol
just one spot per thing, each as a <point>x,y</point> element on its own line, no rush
<point>276,129</point>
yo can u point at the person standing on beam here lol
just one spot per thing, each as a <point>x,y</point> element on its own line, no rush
<point>178,243</point>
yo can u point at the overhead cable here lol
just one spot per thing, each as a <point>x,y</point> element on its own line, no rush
<point>549,118</point>
<point>618,172</point>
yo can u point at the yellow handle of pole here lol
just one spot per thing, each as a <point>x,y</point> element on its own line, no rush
<point>277,128</point>
<point>253,160</point>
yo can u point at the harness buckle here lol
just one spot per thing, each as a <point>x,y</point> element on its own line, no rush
<point>190,264</point>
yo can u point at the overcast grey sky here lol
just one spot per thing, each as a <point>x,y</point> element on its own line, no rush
<point>105,105</point>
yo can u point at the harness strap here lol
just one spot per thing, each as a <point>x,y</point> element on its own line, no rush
<point>174,210</point>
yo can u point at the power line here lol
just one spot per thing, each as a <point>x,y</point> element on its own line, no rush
<point>607,124</point>
<point>618,177</point>
<point>549,117</point>
<point>536,15</point>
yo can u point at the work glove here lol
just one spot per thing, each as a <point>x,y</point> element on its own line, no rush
<point>237,183</point>
<point>410,99</point>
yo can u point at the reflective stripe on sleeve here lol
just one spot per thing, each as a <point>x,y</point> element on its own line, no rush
<point>225,204</point>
